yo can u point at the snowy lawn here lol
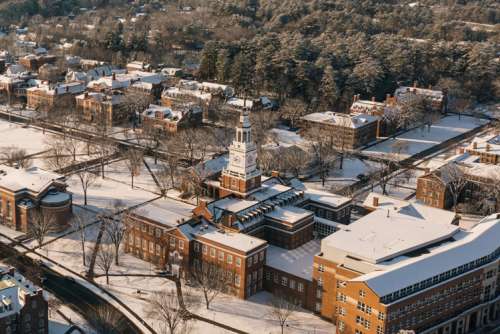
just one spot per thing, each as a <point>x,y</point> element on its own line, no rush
<point>118,171</point>
<point>15,135</point>
<point>339,178</point>
<point>104,192</point>
<point>421,139</point>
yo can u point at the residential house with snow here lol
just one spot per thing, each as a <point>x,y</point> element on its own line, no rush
<point>138,81</point>
<point>48,97</point>
<point>171,120</point>
<point>23,306</point>
<point>24,191</point>
<point>349,131</point>
<point>407,266</point>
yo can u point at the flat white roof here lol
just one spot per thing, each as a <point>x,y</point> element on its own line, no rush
<point>466,246</point>
<point>239,241</point>
<point>234,205</point>
<point>482,142</point>
<point>166,211</point>
<point>298,261</point>
<point>320,196</point>
<point>32,179</point>
<point>290,214</point>
<point>392,230</point>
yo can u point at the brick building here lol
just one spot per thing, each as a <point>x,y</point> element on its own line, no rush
<point>34,62</point>
<point>438,99</point>
<point>167,235</point>
<point>23,191</point>
<point>433,187</point>
<point>23,307</point>
<point>487,148</point>
<point>349,131</point>
<point>172,120</point>
<point>406,266</point>
<point>49,97</point>
<point>106,109</point>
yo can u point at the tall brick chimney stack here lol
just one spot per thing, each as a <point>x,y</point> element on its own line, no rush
<point>474,145</point>
<point>375,201</point>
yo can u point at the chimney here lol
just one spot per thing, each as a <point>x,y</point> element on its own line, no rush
<point>487,147</point>
<point>375,201</point>
<point>202,203</point>
<point>474,145</point>
<point>275,173</point>
<point>67,89</point>
<point>114,76</point>
<point>354,98</point>
<point>86,95</point>
<point>373,98</point>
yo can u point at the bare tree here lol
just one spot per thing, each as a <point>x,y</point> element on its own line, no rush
<point>165,306</point>
<point>381,172</point>
<point>292,110</point>
<point>282,310</point>
<point>42,223</point>
<point>133,160</point>
<point>211,280</point>
<point>322,148</point>
<point>166,175</point>
<point>115,232</point>
<point>87,179</point>
<point>104,259</point>
<point>455,180</point>
<point>295,160</point>
<point>55,156</point>
<point>17,157</point>
<point>105,319</point>
<point>79,222</point>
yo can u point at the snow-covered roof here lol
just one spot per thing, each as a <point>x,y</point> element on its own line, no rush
<point>240,103</point>
<point>289,214</point>
<point>401,93</point>
<point>395,228</point>
<point>60,88</point>
<point>101,97</point>
<point>31,179</point>
<point>343,120</point>
<point>175,92</point>
<point>321,196</point>
<point>166,211</point>
<point>234,205</point>
<point>486,144</point>
<point>13,289</point>
<point>298,261</point>
<point>238,241</point>
<point>464,247</point>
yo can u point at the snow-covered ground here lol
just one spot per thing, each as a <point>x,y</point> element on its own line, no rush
<point>118,171</point>
<point>339,178</point>
<point>15,135</point>
<point>104,192</point>
<point>420,139</point>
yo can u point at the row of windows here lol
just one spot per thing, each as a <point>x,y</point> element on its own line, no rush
<point>438,296</point>
<point>290,283</point>
<point>363,322</point>
<point>440,278</point>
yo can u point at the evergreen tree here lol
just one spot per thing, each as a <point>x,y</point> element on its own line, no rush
<point>223,65</point>
<point>329,92</point>
<point>208,61</point>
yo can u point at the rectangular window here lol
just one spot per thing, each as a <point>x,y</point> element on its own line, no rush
<point>268,275</point>
<point>284,281</point>
<point>229,258</point>
<point>144,244</point>
<point>196,247</point>
<point>158,233</point>
<point>261,256</point>
<point>181,244</point>
<point>318,307</point>
<point>237,260</point>
<point>151,247</point>
<point>300,287</point>
<point>158,250</point>
<point>341,326</point>
<point>321,268</point>
<point>320,281</point>
<point>221,256</point>
<point>130,239</point>
<point>205,249</point>
<point>172,242</point>
<point>362,293</point>
<point>318,293</point>
<point>212,252</point>
<point>255,258</point>
<point>292,284</point>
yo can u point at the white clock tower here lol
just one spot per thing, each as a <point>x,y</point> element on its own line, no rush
<point>241,175</point>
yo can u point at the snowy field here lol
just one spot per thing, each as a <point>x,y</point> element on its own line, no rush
<point>15,135</point>
<point>421,139</point>
<point>118,171</point>
<point>339,178</point>
<point>104,192</point>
